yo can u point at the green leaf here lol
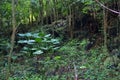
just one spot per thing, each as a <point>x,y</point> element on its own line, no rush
<point>55,41</point>
<point>38,40</point>
<point>41,34</point>
<point>82,67</point>
<point>34,49</point>
<point>56,48</point>
<point>26,41</point>
<point>57,57</point>
<point>44,48</point>
<point>48,35</point>
<point>38,52</point>
<point>25,48</point>
<point>36,35</point>
<point>25,35</point>
<point>14,57</point>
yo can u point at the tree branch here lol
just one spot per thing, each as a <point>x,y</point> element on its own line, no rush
<point>108,8</point>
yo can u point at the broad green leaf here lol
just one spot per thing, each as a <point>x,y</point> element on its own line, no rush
<point>38,52</point>
<point>26,41</point>
<point>55,41</point>
<point>34,49</point>
<point>48,35</point>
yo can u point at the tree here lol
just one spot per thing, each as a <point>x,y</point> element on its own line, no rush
<point>12,39</point>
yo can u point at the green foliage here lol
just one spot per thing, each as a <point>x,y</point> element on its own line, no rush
<point>73,47</point>
<point>55,64</point>
<point>38,43</point>
<point>4,46</point>
<point>35,77</point>
<point>91,65</point>
<point>70,48</point>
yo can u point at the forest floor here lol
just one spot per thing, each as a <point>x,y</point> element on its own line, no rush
<point>70,61</point>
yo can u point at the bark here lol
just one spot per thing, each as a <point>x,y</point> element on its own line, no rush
<point>105,25</point>
<point>12,39</point>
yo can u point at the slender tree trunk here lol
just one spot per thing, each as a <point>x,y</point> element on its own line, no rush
<point>31,14</point>
<point>55,15</point>
<point>41,12</point>
<point>12,39</point>
<point>70,23</point>
<point>105,29</point>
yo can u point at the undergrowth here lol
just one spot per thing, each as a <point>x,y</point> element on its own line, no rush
<point>62,63</point>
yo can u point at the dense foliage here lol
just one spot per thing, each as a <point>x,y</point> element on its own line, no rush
<point>59,40</point>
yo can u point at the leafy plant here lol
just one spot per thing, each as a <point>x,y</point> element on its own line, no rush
<point>38,43</point>
<point>4,46</point>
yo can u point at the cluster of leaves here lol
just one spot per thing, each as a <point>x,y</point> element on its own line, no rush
<point>38,43</point>
<point>4,46</point>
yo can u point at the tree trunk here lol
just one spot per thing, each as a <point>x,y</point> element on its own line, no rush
<point>70,23</point>
<point>105,25</point>
<point>12,39</point>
